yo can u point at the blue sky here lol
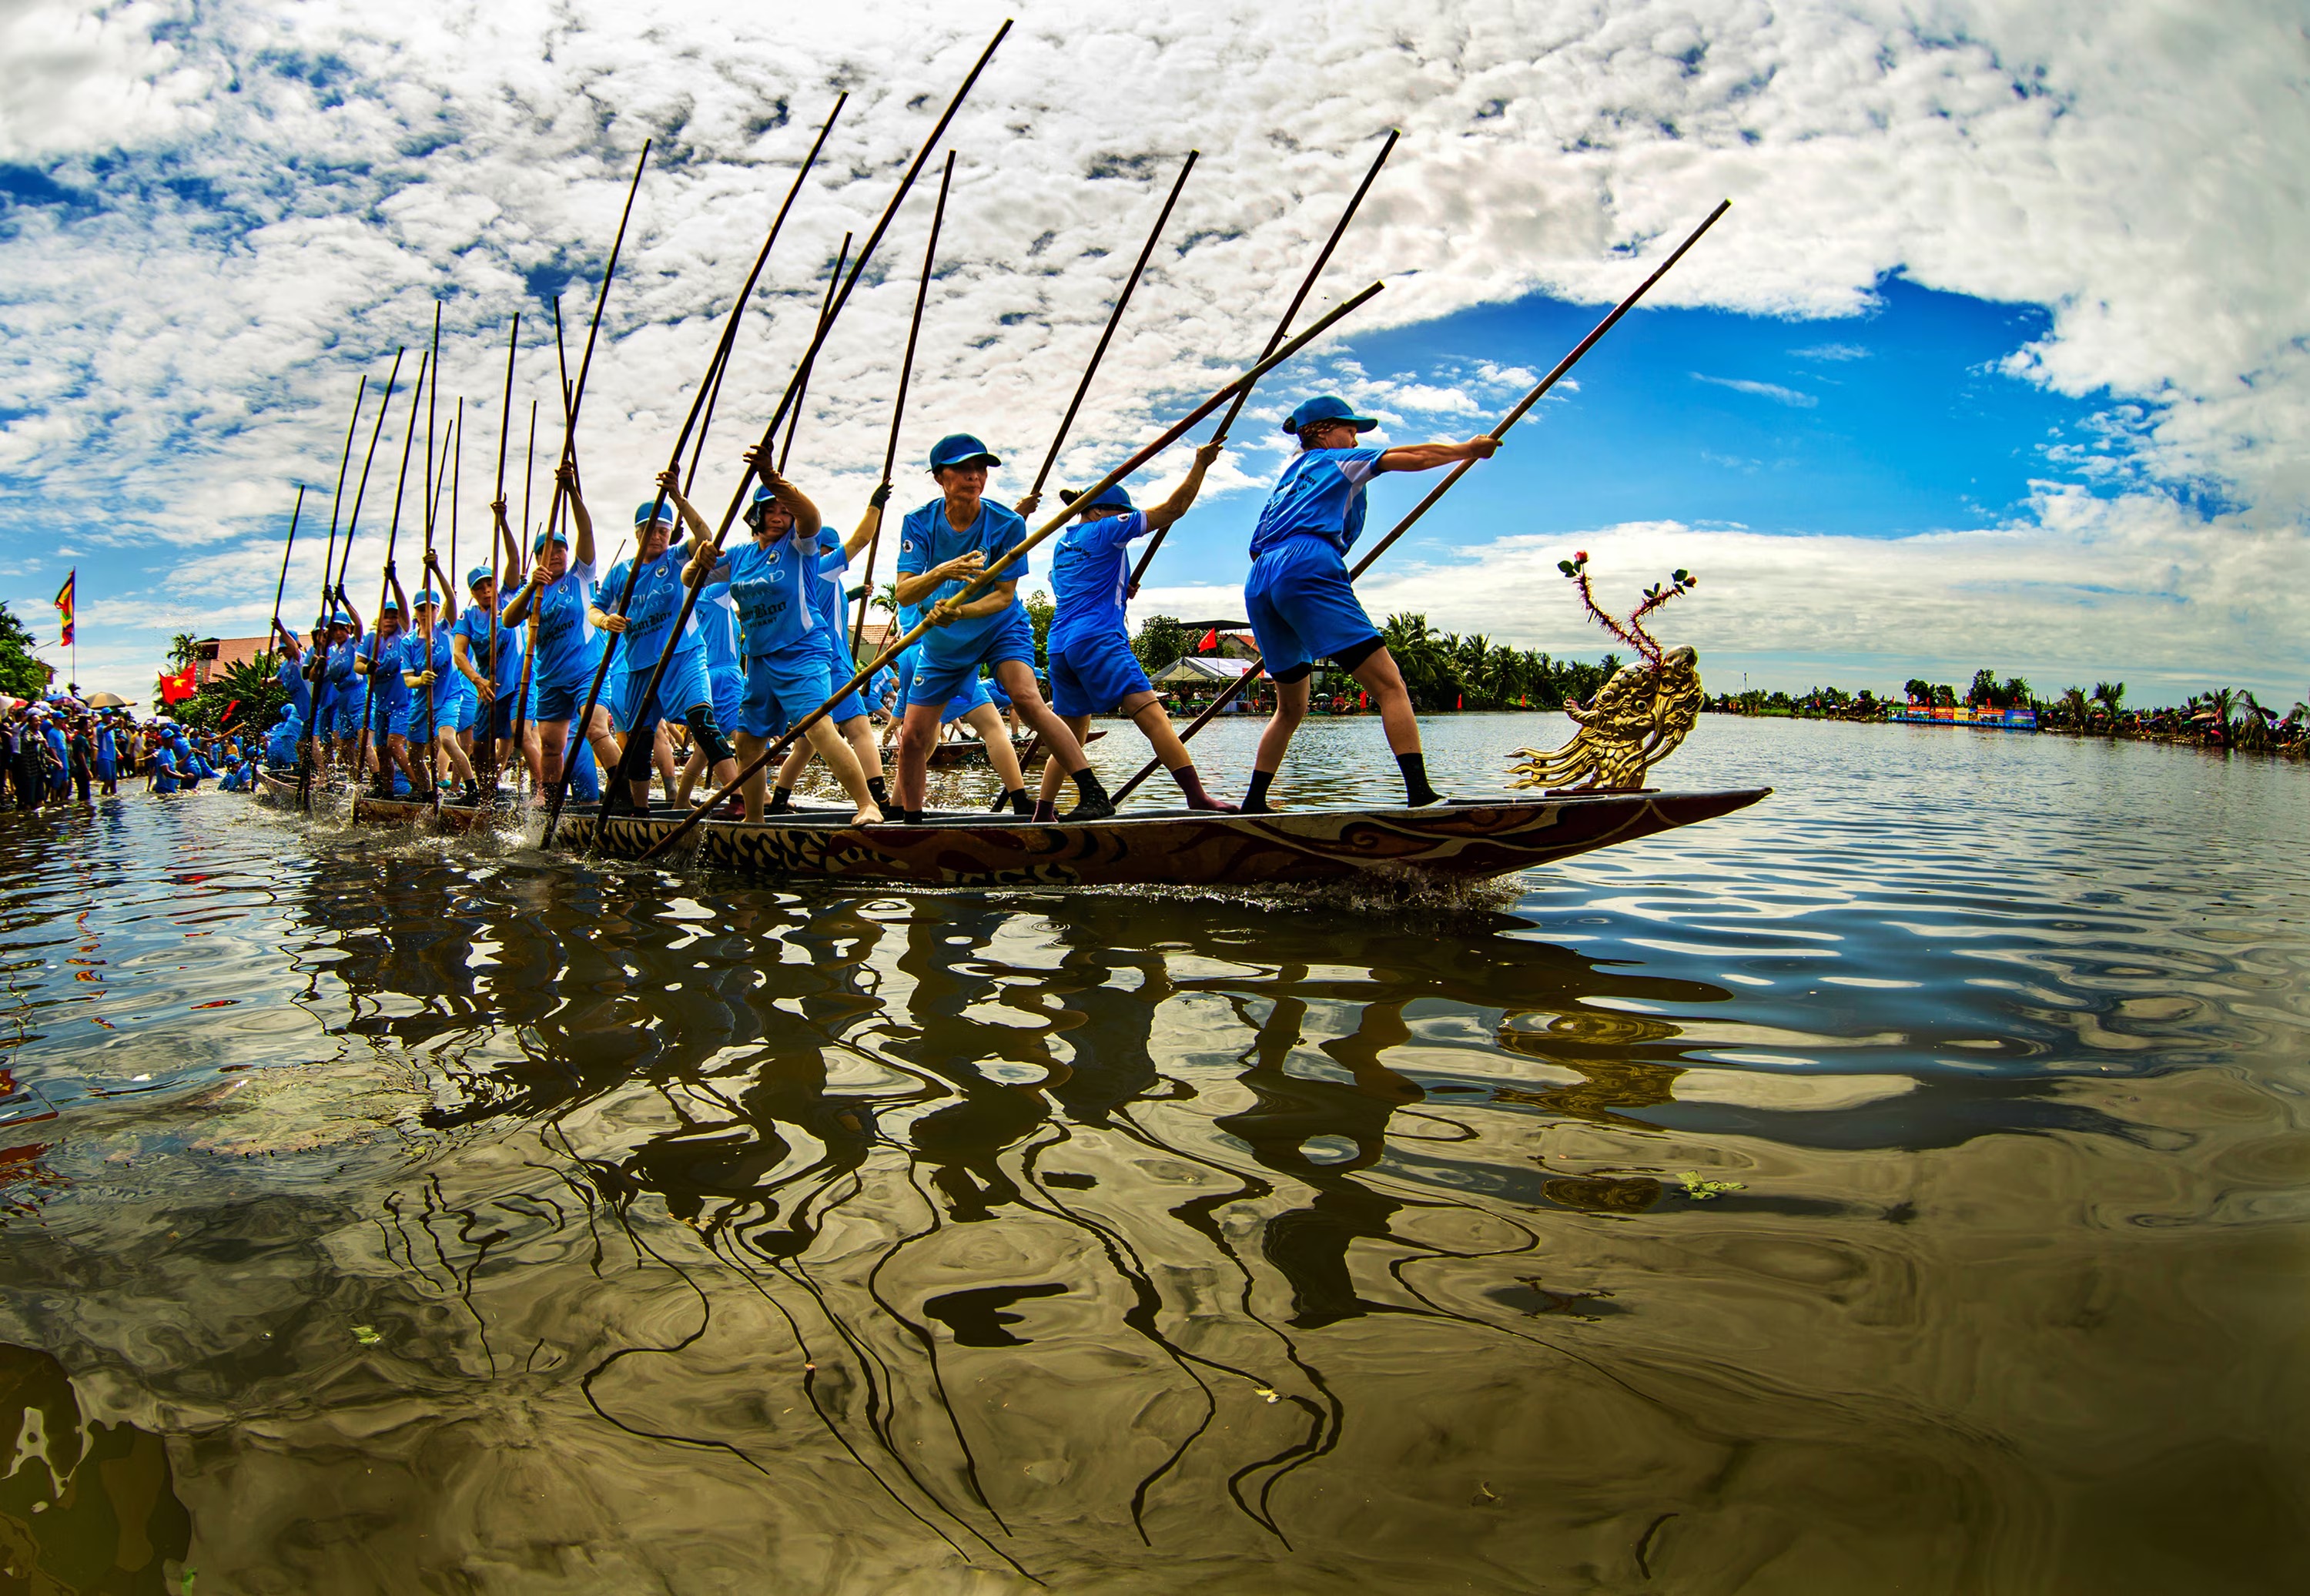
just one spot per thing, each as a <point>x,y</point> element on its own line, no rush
<point>2000,356</point>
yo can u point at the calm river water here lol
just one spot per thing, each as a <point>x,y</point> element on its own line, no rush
<point>1899,1185</point>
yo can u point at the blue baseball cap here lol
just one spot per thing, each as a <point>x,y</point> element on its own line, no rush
<point>960,448</point>
<point>1114,497</point>
<point>341,618</point>
<point>479,575</point>
<point>428,597</point>
<point>390,607</point>
<point>1325,407</point>
<point>545,538</point>
<point>664,512</point>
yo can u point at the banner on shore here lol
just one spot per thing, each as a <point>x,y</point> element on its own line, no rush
<point>65,606</point>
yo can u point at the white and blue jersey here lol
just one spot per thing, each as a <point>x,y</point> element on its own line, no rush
<point>1319,495</point>
<point>1302,603</point>
<point>568,651</point>
<point>292,674</point>
<point>788,672</point>
<point>826,601</point>
<point>952,654</point>
<point>381,692</point>
<point>1092,667</point>
<point>650,613</point>
<point>474,624</point>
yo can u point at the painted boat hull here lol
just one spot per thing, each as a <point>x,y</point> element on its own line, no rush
<point>1462,841</point>
<point>1456,841</point>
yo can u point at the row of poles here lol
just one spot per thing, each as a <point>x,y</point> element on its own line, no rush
<point>1281,345</point>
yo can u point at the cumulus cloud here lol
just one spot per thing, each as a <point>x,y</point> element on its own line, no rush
<point>221,214</point>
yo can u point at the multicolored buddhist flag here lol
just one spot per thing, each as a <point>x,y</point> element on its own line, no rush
<point>65,606</point>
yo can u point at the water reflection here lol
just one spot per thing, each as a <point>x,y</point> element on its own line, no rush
<point>633,1230</point>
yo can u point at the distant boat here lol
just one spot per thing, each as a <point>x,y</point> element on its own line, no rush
<point>1988,720</point>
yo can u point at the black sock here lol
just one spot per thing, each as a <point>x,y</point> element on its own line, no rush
<point>1020,804</point>
<point>781,800</point>
<point>914,817</point>
<point>1416,790</point>
<point>1255,798</point>
<point>880,793</point>
<point>1087,783</point>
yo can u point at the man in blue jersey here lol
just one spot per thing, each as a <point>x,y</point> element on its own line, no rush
<point>1303,606</point>
<point>1093,670</point>
<point>642,631</point>
<point>567,652</point>
<point>726,676</point>
<point>942,546</point>
<point>789,673</point>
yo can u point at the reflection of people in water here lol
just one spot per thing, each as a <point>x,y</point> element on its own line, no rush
<point>84,1509</point>
<point>1310,1245</point>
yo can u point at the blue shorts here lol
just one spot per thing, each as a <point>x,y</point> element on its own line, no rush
<point>1094,676</point>
<point>783,687</point>
<point>683,687</point>
<point>1303,607</point>
<point>469,709</point>
<point>938,678</point>
<point>344,717</point>
<point>842,668</point>
<point>561,701</point>
<point>409,720</point>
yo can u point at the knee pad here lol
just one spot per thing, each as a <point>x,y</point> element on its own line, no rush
<point>708,735</point>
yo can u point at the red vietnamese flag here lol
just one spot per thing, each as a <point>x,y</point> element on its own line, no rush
<point>1211,643</point>
<point>1461,702</point>
<point>175,690</point>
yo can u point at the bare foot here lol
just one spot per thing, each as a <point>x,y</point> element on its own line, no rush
<point>869,814</point>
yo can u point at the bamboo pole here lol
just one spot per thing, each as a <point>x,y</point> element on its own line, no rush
<point>1282,327</point>
<point>316,664</point>
<point>1114,320</point>
<point>898,406</point>
<point>1497,433</point>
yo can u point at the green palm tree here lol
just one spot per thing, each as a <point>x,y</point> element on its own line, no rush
<point>2076,706</point>
<point>181,649</point>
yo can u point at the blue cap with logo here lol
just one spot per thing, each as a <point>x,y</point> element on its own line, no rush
<point>545,538</point>
<point>1325,407</point>
<point>960,448</point>
<point>664,512</point>
<point>479,575</point>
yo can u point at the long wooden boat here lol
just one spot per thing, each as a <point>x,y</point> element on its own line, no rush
<point>1467,840</point>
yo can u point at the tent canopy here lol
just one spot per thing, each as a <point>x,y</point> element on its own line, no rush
<point>1200,669</point>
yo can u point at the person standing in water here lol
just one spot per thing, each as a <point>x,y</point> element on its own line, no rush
<point>1302,603</point>
<point>561,590</point>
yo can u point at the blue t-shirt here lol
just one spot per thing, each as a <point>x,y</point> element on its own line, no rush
<point>164,770</point>
<point>770,587</point>
<point>927,539</point>
<point>1320,494</point>
<point>343,682</point>
<point>413,657</point>
<point>473,625</point>
<point>718,624</point>
<point>567,650</point>
<point>292,673</point>
<point>826,601</point>
<point>650,612</point>
<point>1090,577</point>
<point>391,692</point>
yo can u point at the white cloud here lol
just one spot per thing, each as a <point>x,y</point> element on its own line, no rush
<point>267,198</point>
<point>1762,390</point>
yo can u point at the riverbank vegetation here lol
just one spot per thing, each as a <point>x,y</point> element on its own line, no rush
<point>2220,717</point>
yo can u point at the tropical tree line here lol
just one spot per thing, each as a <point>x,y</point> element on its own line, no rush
<point>1443,669</point>
<point>22,675</point>
<point>2223,717</point>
